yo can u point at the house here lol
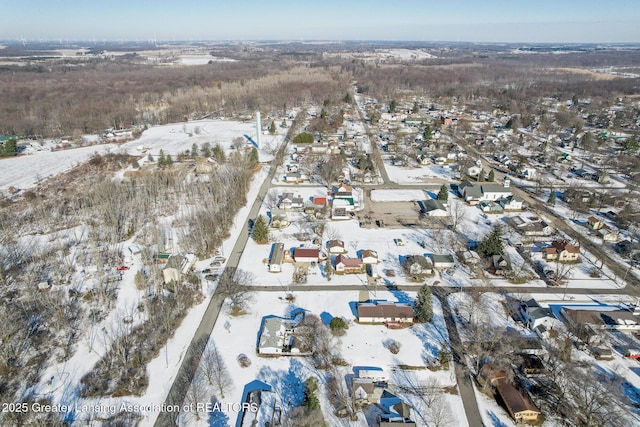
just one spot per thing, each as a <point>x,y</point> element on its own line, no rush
<point>442,261</point>
<point>511,203</point>
<point>417,265</point>
<point>365,391</point>
<point>433,207</point>
<point>530,226</point>
<point>500,265</point>
<point>338,211</point>
<point>385,312</point>
<point>491,207</point>
<point>531,365</point>
<point>518,402</point>
<point>346,265</point>
<point>469,257</point>
<point>594,223</point>
<point>607,318</point>
<point>290,202</point>
<point>534,315</point>
<point>276,257</point>
<point>306,254</point>
<point>277,337</point>
<point>293,177</point>
<point>369,256</point>
<point>493,192</point>
<point>319,201</point>
<point>279,218</point>
<point>608,235</point>
<point>177,266</point>
<point>470,192</point>
<point>336,247</point>
<point>561,250</point>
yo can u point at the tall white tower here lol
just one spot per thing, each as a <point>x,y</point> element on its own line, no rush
<point>258,128</point>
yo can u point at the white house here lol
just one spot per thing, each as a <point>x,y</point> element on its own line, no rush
<point>276,257</point>
<point>442,261</point>
<point>385,311</point>
<point>276,336</point>
<point>534,315</point>
<point>369,257</point>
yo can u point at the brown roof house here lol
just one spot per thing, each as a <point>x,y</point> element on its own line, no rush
<point>336,247</point>
<point>561,250</point>
<point>306,254</point>
<point>517,402</point>
<point>384,312</point>
<point>346,265</point>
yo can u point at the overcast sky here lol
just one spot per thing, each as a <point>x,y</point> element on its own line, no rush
<point>583,21</point>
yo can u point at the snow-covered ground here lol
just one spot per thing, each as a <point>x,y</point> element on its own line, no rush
<point>23,172</point>
<point>398,195</point>
<point>419,175</point>
<point>361,346</point>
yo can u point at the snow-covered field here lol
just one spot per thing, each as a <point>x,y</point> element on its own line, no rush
<point>23,172</point>
<point>419,175</point>
<point>398,195</point>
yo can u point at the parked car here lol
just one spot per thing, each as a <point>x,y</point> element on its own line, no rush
<point>219,258</point>
<point>206,271</point>
<point>212,276</point>
<point>122,268</point>
<point>215,264</point>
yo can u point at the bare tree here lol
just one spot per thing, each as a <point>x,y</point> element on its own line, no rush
<point>215,370</point>
<point>440,412</point>
<point>237,289</point>
<point>457,214</point>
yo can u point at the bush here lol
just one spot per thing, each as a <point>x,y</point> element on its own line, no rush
<point>303,138</point>
<point>337,325</point>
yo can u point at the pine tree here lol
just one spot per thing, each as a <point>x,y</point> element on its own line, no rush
<point>423,308</point>
<point>218,154</point>
<point>552,198</point>
<point>253,156</point>
<point>491,244</point>
<point>194,150</point>
<point>150,157</point>
<point>272,128</point>
<point>443,194</point>
<point>426,134</point>
<point>492,176</point>
<point>260,232</point>
<point>392,106</point>
<point>415,108</point>
<point>162,160</point>
<point>328,269</point>
<point>169,160</point>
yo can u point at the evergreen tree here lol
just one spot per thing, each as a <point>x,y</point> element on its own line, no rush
<point>443,194</point>
<point>492,176</point>
<point>491,244</point>
<point>260,232</point>
<point>162,160</point>
<point>194,150</point>
<point>423,308</point>
<point>552,198</point>
<point>206,150</point>
<point>272,128</point>
<point>426,134</point>
<point>415,108</point>
<point>328,269</point>
<point>168,161</point>
<point>218,154</point>
<point>284,123</point>
<point>10,148</point>
<point>150,157</point>
<point>392,106</point>
<point>253,156</point>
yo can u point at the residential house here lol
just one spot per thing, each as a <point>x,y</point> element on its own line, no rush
<point>277,337</point>
<point>417,265</point>
<point>491,207</point>
<point>469,257</point>
<point>336,247</point>
<point>518,402</point>
<point>276,257</point>
<point>365,391</point>
<point>531,365</point>
<point>319,201</point>
<point>279,218</point>
<point>628,249</point>
<point>339,210</point>
<point>611,319</point>
<point>385,312</point>
<point>369,256</point>
<point>470,192</point>
<point>346,265</point>
<point>290,202</point>
<point>530,226</point>
<point>293,177</point>
<point>442,261</point>
<point>511,203</point>
<point>534,315</point>
<point>493,192</point>
<point>608,235</point>
<point>500,265</point>
<point>594,223</point>
<point>562,251</point>
<point>177,266</point>
<point>433,207</point>
<point>306,254</point>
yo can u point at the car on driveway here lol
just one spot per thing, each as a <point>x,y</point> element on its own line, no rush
<point>122,268</point>
<point>212,276</point>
